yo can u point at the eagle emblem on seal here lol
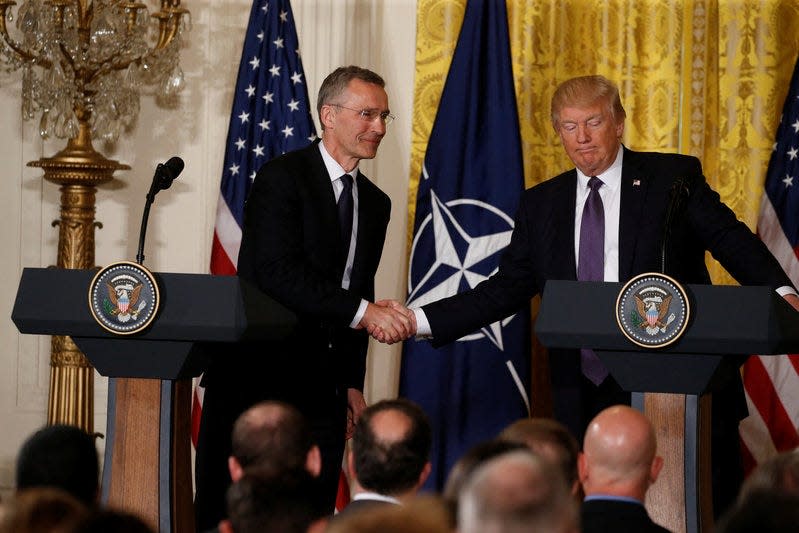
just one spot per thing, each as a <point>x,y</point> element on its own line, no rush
<point>652,309</point>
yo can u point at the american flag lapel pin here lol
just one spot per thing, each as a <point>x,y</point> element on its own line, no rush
<point>636,182</point>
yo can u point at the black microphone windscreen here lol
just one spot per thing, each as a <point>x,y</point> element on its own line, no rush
<point>175,166</point>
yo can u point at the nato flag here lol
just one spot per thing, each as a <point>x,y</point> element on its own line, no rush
<point>471,182</point>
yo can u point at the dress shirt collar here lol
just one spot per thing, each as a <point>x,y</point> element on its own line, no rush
<point>376,496</point>
<point>333,168</point>
<point>606,497</point>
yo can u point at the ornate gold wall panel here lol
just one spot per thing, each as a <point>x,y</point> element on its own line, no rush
<point>700,77</point>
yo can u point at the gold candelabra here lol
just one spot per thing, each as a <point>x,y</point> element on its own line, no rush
<point>84,65</point>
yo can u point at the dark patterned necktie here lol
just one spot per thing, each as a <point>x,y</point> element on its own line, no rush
<point>345,212</point>
<point>591,266</point>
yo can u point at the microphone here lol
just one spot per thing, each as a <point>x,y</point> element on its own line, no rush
<point>677,198</point>
<point>165,174</point>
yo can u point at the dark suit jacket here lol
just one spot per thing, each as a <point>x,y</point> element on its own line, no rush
<point>542,248</point>
<point>611,516</point>
<point>291,249</point>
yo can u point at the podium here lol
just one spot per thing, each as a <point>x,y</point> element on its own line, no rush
<point>147,465</point>
<point>671,384</point>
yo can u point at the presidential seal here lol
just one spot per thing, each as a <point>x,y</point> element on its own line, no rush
<point>123,298</point>
<point>652,310</point>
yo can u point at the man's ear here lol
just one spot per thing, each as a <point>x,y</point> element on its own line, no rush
<point>235,469</point>
<point>424,474</point>
<point>313,461</point>
<point>654,470</point>
<point>225,527</point>
<point>582,467</point>
<point>327,115</point>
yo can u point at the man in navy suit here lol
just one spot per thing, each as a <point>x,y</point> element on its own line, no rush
<point>313,233</point>
<point>617,466</point>
<point>636,189</point>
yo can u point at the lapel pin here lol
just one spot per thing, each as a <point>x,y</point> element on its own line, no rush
<point>636,182</point>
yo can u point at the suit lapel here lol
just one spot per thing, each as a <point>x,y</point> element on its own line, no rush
<point>634,185</point>
<point>563,260</point>
<point>324,201</point>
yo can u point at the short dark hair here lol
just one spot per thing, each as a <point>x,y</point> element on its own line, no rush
<point>391,467</point>
<point>281,503</point>
<point>60,456</point>
<point>273,443</point>
<point>335,83</point>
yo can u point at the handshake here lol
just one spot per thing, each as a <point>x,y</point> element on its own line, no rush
<point>388,321</point>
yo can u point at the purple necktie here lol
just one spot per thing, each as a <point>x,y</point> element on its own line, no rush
<point>345,213</point>
<point>591,266</point>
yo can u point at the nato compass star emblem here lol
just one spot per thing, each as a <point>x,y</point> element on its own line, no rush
<point>463,256</point>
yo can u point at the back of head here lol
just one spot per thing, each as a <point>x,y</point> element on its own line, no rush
<point>60,456</point>
<point>423,514</point>
<point>113,521</point>
<point>585,91</point>
<point>762,511</point>
<point>781,472</point>
<point>271,437</point>
<point>516,492</point>
<point>43,510</point>
<point>619,453</point>
<point>281,503</point>
<point>391,446</point>
<point>474,457</point>
<point>548,438</point>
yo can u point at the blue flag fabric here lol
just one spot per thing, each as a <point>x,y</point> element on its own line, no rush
<point>271,116</point>
<point>471,182</point>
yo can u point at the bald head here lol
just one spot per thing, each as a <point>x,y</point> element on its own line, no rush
<point>619,453</point>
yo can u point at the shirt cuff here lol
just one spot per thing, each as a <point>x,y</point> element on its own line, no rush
<point>359,314</point>
<point>786,290</point>
<point>423,330</point>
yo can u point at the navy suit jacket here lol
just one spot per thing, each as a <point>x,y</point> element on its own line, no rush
<point>542,248</point>
<point>611,516</point>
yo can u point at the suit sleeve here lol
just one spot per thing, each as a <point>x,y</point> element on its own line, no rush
<point>730,241</point>
<point>516,281</point>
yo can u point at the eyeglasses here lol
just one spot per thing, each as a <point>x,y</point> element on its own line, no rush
<point>369,115</point>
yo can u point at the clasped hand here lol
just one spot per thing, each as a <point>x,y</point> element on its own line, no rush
<point>389,321</point>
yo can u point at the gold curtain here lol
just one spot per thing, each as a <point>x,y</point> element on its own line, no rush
<point>700,77</point>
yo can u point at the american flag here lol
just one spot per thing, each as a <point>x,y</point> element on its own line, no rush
<point>772,383</point>
<point>271,115</point>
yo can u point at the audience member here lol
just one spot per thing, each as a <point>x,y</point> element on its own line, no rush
<point>516,492</point>
<point>390,455</point>
<point>617,466</point>
<point>43,510</point>
<point>271,438</point>
<point>60,456</point>
<point>551,440</point>
<point>113,521</point>
<point>278,503</point>
<point>781,472</point>
<point>762,511</point>
<point>421,514</point>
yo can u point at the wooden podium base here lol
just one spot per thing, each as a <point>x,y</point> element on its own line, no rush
<point>681,499</point>
<point>147,464</point>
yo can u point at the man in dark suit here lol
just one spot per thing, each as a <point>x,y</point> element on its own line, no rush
<point>389,458</point>
<point>631,193</point>
<point>617,466</point>
<point>313,234</point>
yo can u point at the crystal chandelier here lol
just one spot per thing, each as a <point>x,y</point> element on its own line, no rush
<point>88,61</point>
<point>84,66</point>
